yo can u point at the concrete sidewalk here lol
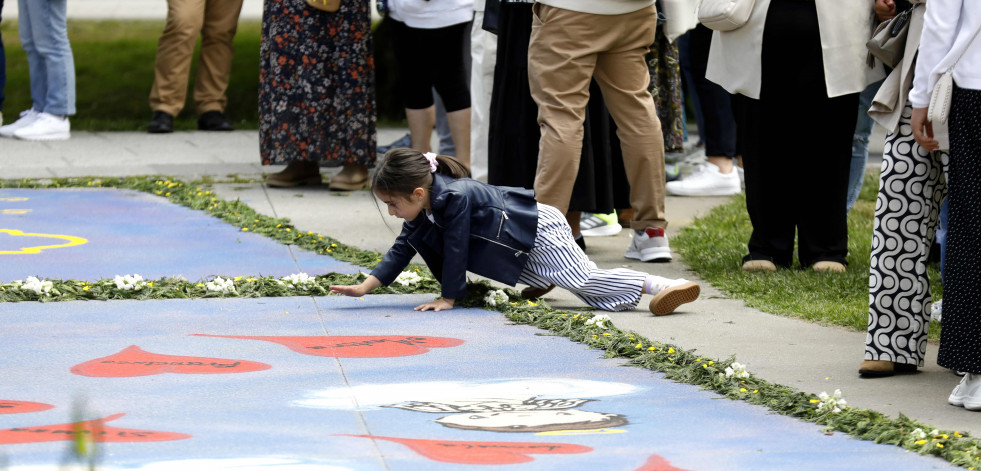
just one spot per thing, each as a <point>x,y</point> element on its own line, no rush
<point>805,356</point>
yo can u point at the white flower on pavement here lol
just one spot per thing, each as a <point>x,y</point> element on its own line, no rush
<point>39,287</point>
<point>737,370</point>
<point>221,285</point>
<point>297,281</point>
<point>129,282</point>
<point>496,297</point>
<point>833,403</point>
<point>407,278</point>
<point>599,320</point>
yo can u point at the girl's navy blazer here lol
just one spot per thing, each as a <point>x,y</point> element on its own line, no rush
<point>488,230</point>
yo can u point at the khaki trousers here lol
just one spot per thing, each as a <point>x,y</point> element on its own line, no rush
<point>215,21</point>
<point>569,48</point>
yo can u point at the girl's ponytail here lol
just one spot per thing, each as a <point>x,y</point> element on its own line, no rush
<point>403,170</point>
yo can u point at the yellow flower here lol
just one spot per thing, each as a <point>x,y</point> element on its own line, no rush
<point>711,363</point>
<point>245,229</point>
<point>638,345</point>
<point>279,225</point>
<point>85,288</point>
<point>756,391</point>
<point>150,284</point>
<point>921,442</point>
<point>237,278</point>
<point>742,389</point>
<point>815,401</point>
<point>958,434</point>
<point>335,245</point>
<point>606,334</point>
<point>595,336</point>
<point>940,445</point>
<point>942,435</point>
<point>651,348</point>
<point>670,350</point>
<point>531,303</point>
<point>251,279</point>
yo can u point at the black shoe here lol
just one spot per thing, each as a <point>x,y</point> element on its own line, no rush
<point>214,121</point>
<point>161,123</point>
<point>581,242</point>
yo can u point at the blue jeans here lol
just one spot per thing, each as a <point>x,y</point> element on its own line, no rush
<point>860,144</point>
<point>44,37</point>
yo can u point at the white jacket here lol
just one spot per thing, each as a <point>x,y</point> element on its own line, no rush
<point>948,27</point>
<point>735,57</point>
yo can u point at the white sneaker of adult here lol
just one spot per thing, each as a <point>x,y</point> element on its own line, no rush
<point>967,393</point>
<point>706,181</point>
<point>26,118</point>
<point>649,245</point>
<point>46,127</point>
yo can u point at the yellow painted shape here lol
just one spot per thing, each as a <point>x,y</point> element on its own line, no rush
<point>595,431</point>
<point>70,241</point>
<point>14,211</point>
<point>14,198</point>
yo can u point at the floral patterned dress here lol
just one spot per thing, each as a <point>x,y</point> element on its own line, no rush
<point>316,84</point>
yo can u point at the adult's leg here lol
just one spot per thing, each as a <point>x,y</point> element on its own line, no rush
<point>3,66</point>
<point>30,21</point>
<point>175,49</point>
<point>959,346</point>
<point>215,65</point>
<point>561,59</point>
<point>860,144</point>
<point>622,75</point>
<point>911,188</point>
<point>483,53</point>
<point>448,65</point>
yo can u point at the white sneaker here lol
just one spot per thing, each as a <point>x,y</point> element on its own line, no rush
<point>967,393</point>
<point>26,118</point>
<point>46,127</point>
<point>650,245</point>
<point>706,181</point>
<point>669,294</point>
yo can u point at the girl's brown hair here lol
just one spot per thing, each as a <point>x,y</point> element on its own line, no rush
<point>403,170</point>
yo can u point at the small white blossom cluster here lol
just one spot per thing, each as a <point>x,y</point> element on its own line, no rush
<point>599,320</point>
<point>297,281</point>
<point>407,278</point>
<point>39,287</point>
<point>919,434</point>
<point>496,297</point>
<point>736,369</point>
<point>129,282</point>
<point>221,285</point>
<point>833,403</point>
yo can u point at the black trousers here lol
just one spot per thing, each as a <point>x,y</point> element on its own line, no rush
<point>796,145</point>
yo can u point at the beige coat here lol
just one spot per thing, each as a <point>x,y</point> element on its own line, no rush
<point>887,106</point>
<point>735,57</point>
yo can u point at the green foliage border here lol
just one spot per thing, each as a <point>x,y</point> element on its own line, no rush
<point>676,363</point>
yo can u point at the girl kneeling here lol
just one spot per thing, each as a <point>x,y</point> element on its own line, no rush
<point>457,225</point>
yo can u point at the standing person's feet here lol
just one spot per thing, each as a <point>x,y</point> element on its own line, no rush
<point>404,141</point>
<point>352,177</point>
<point>161,123</point>
<point>883,368</point>
<point>26,118</point>
<point>649,245</point>
<point>707,180</point>
<point>214,121</point>
<point>599,225</point>
<point>45,127</point>
<point>296,173</point>
<point>967,394</point>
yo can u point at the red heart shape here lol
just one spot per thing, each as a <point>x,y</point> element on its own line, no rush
<point>95,429</point>
<point>465,452</point>
<point>22,407</point>
<point>356,346</point>
<point>134,361</point>
<point>658,463</point>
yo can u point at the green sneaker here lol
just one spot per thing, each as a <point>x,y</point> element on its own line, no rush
<point>599,225</point>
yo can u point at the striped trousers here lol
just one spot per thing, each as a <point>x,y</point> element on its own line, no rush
<point>556,259</point>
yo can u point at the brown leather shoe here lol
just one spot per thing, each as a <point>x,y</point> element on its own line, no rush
<point>668,299</point>
<point>883,368</point>
<point>533,292</point>
<point>296,173</point>
<point>350,178</point>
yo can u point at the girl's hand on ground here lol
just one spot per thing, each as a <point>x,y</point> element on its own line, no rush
<point>348,290</point>
<point>441,304</point>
